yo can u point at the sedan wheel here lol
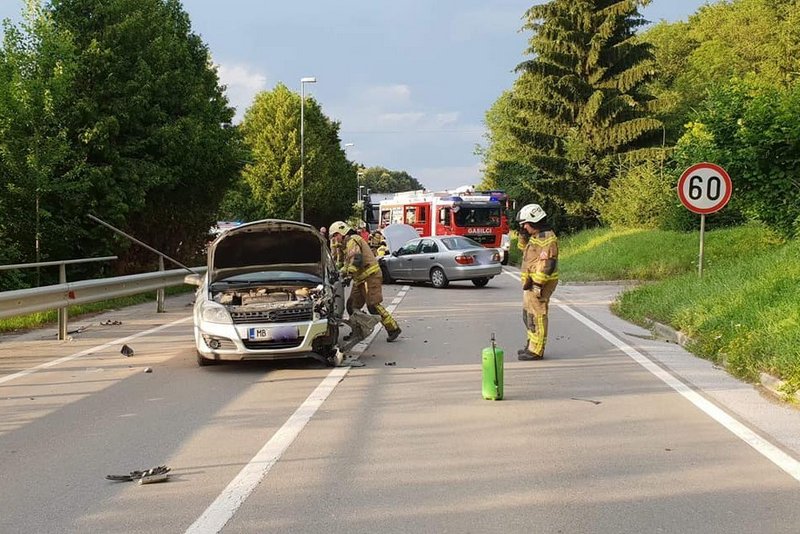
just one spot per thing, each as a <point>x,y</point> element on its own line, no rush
<point>438,278</point>
<point>387,279</point>
<point>480,282</point>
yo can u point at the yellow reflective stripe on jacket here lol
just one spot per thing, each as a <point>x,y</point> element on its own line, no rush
<point>369,271</point>
<point>541,278</point>
<point>544,242</point>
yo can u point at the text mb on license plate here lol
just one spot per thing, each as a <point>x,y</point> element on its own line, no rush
<point>277,333</point>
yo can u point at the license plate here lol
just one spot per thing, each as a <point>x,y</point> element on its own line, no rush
<point>277,333</point>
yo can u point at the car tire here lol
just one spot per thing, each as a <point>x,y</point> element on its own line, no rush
<point>438,278</point>
<point>203,362</point>
<point>480,282</point>
<point>506,255</point>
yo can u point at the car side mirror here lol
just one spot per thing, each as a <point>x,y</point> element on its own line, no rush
<point>193,280</point>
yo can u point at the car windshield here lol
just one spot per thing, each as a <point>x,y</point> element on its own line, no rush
<point>469,216</point>
<point>459,243</point>
<point>270,277</point>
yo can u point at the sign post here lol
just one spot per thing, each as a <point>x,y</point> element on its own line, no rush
<point>704,188</point>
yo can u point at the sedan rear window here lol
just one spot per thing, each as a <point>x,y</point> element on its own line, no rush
<point>459,243</point>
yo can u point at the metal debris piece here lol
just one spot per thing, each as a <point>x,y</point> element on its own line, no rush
<point>148,369</point>
<point>361,325</point>
<point>390,363</point>
<point>595,402</point>
<point>154,474</point>
<point>126,351</point>
<point>110,322</point>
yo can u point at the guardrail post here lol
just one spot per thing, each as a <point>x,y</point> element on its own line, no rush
<point>160,292</point>
<point>62,312</point>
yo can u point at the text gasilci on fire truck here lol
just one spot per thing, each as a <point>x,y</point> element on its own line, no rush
<point>479,215</point>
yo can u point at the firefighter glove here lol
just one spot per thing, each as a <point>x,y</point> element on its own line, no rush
<point>527,284</point>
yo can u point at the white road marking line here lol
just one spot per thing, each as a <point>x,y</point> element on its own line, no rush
<point>232,497</point>
<point>790,465</point>
<point>219,512</point>
<point>774,454</point>
<point>122,340</point>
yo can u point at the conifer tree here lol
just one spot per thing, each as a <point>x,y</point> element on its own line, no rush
<point>580,100</point>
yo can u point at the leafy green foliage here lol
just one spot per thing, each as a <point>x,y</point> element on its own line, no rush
<point>37,72</point>
<point>271,181</point>
<point>111,107</point>
<point>381,180</point>
<point>753,133</point>
<point>148,124</point>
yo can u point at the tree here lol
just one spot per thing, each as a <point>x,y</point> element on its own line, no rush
<point>271,181</point>
<point>37,69</point>
<point>150,126</point>
<point>580,99</point>
<point>382,180</point>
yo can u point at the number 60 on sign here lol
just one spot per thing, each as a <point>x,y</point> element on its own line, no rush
<point>705,188</point>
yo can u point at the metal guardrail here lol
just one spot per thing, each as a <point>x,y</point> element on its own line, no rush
<point>25,301</point>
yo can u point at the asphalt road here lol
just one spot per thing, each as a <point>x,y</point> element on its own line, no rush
<point>612,432</point>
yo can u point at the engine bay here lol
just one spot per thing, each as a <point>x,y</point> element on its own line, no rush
<point>266,304</point>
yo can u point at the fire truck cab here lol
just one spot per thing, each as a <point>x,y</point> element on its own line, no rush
<point>481,216</point>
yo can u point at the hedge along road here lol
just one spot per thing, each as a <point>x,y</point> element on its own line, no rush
<point>587,440</point>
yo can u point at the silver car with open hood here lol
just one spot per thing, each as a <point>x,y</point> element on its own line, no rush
<point>271,292</point>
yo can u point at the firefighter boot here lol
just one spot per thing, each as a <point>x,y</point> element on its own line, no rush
<point>526,355</point>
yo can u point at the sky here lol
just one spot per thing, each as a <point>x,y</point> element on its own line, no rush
<point>409,81</point>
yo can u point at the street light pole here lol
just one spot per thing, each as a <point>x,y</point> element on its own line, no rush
<point>303,82</point>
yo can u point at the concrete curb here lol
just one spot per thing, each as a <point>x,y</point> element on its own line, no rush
<point>771,384</point>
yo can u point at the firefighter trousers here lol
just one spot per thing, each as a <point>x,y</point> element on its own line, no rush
<point>534,315</point>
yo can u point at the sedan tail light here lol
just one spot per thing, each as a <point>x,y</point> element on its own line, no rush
<point>465,259</point>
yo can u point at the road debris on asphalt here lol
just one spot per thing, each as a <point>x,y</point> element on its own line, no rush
<point>110,322</point>
<point>148,369</point>
<point>150,476</point>
<point>390,363</point>
<point>126,351</point>
<point>595,402</point>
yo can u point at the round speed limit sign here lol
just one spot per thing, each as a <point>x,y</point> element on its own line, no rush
<point>705,188</point>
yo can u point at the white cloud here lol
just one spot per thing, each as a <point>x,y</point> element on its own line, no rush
<point>243,82</point>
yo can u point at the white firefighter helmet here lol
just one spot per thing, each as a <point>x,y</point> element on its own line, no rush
<point>339,227</point>
<point>531,213</point>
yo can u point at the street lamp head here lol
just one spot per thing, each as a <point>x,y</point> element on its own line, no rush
<point>309,79</point>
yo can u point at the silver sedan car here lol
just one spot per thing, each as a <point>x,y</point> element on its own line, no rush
<point>441,260</point>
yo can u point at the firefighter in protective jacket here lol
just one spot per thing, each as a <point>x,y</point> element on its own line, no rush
<point>539,275</point>
<point>360,265</point>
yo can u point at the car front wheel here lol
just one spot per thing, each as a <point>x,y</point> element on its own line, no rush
<point>480,282</point>
<point>438,278</point>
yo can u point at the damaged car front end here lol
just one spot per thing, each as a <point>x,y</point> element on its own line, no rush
<point>271,292</point>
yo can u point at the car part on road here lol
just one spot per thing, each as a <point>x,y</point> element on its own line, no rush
<point>361,325</point>
<point>149,476</point>
<point>126,351</point>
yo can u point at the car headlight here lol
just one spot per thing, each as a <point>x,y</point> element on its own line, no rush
<point>214,313</point>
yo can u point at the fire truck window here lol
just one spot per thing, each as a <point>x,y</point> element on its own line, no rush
<point>422,215</point>
<point>478,217</point>
<point>411,215</point>
<point>444,216</point>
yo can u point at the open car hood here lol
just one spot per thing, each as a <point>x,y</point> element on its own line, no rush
<point>397,235</point>
<point>268,245</point>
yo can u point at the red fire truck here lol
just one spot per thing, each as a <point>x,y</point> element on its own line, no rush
<point>481,216</point>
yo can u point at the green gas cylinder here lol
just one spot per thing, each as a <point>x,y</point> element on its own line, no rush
<point>492,372</point>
